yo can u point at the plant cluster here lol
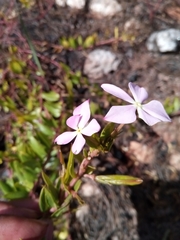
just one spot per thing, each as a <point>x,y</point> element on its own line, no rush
<point>34,167</point>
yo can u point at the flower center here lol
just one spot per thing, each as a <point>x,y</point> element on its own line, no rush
<point>138,104</point>
<point>78,130</point>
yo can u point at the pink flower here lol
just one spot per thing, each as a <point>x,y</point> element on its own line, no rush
<point>151,112</point>
<point>79,122</point>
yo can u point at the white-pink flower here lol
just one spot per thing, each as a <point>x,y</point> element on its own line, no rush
<point>79,122</point>
<point>151,112</point>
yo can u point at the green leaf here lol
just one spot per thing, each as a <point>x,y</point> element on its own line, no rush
<point>26,175</point>
<point>106,132</point>
<point>44,139</point>
<point>53,108</point>
<point>37,147</point>
<point>50,186</point>
<point>5,188</point>
<point>72,42</point>
<point>92,142</point>
<point>90,169</point>
<point>69,86</point>
<point>70,172</point>
<point>80,40</point>
<point>64,43</point>
<point>118,180</point>
<point>9,103</point>
<point>59,212</point>
<point>24,152</point>
<point>30,103</point>
<point>46,200</point>
<point>70,165</point>
<point>106,139</point>
<point>63,208</point>
<point>77,185</point>
<point>15,67</point>
<point>94,107</point>
<point>176,104</point>
<point>46,130</point>
<point>50,96</point>
<point>16,194</point>
<point>65,67</point>
<point>89,41</point>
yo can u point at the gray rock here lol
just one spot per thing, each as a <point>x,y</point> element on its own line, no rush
<point>61,3</point>
<point>100,62</point>
<point>104,8</point>
<point>108,213</point>
<point>164,41</point>
<point>78,4</point>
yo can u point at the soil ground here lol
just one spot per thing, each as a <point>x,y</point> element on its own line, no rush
<point>153,154</point>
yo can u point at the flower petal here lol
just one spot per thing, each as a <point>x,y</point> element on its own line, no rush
<point>78,144</point>
<point>148,119</point>
<point>156,109</point>
<point>91,128</point>
<point>81,108</point>
<point>84,120</point>
<point>139,93</point>
<point>121,114</point>
<point>65,138</point>
<point>117,92</point>
<point>84,111</point>
<point>73,121</point>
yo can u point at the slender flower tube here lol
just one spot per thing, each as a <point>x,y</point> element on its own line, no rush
<point>79,122</point>
<point>151,112</point>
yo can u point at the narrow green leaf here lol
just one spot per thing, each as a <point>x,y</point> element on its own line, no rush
<point>70,172</point>
<point>77,185</point>
<point>106,132</point>
<point>65,67</point>
<point>70,165</point>
<point>105,138</point>
<point>50,186</point>
<point>176,104</point>
<point>16,194</point>
<point>80,40</point>
<point>5,188</point>
<point>45,129</point>
<point>59,212</point>
<point>45,140</point>
<point>26,175</point>
<point>92,141</point>
<point>34,54</point>
<point>65,43</point>
<point>72,42</point>
<point>94,107</point>
<point>63,208</point>
<point>37,147</point>
<point>118,180</point>
<point>53,108</point>
<point>50,96</point>
<point>46,200</point>
<point>69,86</point>
<point>89,41</point>
<point>9,103</point>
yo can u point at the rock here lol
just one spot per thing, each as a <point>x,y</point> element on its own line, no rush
<point>107,214</point>
<point>104,8</point>
<point>132,24</point>
<point>141,152</point>
<point>78,4</point>
<point>61,3</point>
<point>164,41</point>
<point>100,62</point>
